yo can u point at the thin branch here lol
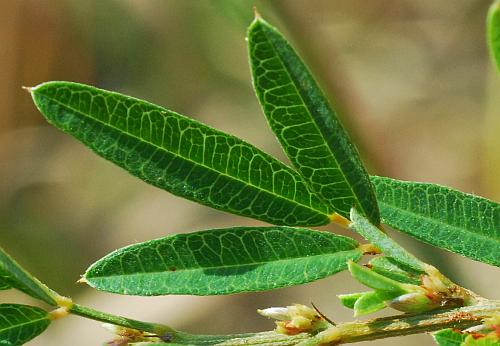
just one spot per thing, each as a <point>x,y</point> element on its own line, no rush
<point>386,327</point>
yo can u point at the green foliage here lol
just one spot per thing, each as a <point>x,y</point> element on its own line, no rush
<point>4,285</point>
<point>348,300</point>
<point>371,302</point>
<point>493,33</point>
<point>443,217</point>
<point>181,155</point>
<point>385,291</point>
<point>376,281</point>
<point>451,337</point>
<point>13,275</point>
<point>202,164</point>
<point>307,128</point>
<point>388,267</point>
<point>380,239</point>
<point>223,261</point>
<point>21,323</point>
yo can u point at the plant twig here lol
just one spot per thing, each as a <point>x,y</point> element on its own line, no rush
<point>386,327</point>
<point>342,333</point>
<point>119,321</point>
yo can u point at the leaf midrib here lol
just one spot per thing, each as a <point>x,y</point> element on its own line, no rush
<point>294,83</point>
<point>438,222</point>
<point>2,330</point>
<point>220,267</point>
<point>183,157</point>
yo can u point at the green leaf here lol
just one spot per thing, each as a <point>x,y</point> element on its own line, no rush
<point>376,281</point>
<point>388,246</point>
<point>372,302</point>
<point>490,340</point>
<point>443,217</point>
<point>4,285</point>
<point>13,275</point>
<point>387,267</point>
<point>348,300</point>
<point>223,261</point>
<point>21,323</point>
<point>493,33</point>
<point>307,128</point>
<point>449,337</point>
<point>181,155</point>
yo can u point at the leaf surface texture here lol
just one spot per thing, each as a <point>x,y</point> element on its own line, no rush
<point>223,261</point>
<point>306,126</point>
<point>449,219</point>
<point>21,323</point>
<point>181,155</point>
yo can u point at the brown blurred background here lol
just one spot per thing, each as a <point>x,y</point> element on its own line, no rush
<point>411,79</point>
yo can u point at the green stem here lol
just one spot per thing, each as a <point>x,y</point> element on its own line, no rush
<point>386,327</point>
<point>348,332</point>
<point>86,312</point>
<point>251,339</point>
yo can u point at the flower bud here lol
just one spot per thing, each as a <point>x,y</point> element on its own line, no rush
<point>278,313</point>
<point>294,319</point>
<point>413,303</point>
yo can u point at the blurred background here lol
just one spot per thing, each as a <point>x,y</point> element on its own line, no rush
<point>411,80</point>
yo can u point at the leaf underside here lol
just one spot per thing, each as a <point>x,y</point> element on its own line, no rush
<point>381,240</point>
<point>443,217</point>
<point>387,267</point>
<point>223,261</point>
<point>21,323</point>
<point>306,126</point>
<point>348,300</point>
<point>376,281</point>
<point>371,302</point>
<point>181,155</point>
<point>12,275</point>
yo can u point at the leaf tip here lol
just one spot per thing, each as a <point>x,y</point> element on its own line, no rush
<point>82,280</point>
<point>28,89</point>
<point>256,13</point>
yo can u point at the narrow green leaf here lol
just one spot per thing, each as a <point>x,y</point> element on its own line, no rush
<point>388,246</point>
<point>372,302</point>
<point>493,33</point>
<point>4,285</point>
<point>307,128</point>
<point>21,323</point>
<point>13,275</point>
<point>181,155</point>
<point>443,217</point>
<point>449,337</point>
<point>348,300</point>
<point>223,261</point>
<point>387,267</point>
<point>376,281</point>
